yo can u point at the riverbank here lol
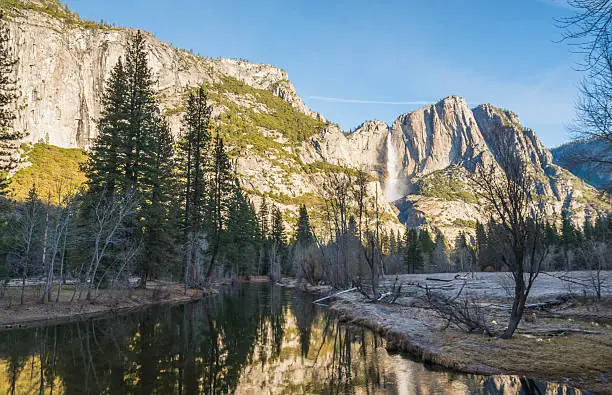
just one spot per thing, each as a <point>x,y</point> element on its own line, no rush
<point>33,313</point>
<point>570,343</point>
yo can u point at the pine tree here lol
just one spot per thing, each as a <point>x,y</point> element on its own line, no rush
<point>481,245</point>
<point>440,255</point>
<point>278,239</point>
<point>193,148</point>
<point>264,230</point>
<point>104,169</point>
<point>143,111</point>
<point>385,243</point>
<point>602,231</point>
<point>264,215</point>
<point>130,116</point>
<point>220,188</point>
<point>304,234</point>
<point>427,244</point>
<point>277,233</point>
<point>159,227</point>
<point>587,229</point>
<point>413,253</point>
<point>463,255</point>
<point>127,155</point>
<point>241,234</point>
<point>568,231</point>
<point>552,236</point>
<point>9,137</point>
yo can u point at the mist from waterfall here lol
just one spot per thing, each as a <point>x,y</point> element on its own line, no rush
<point>392,182</point>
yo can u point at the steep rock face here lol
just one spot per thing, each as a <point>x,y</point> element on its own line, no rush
<point>368,145</point>
<point>438,136</point>
<point>492,123</point>
<point>578,156</point>
<point>62,69</point>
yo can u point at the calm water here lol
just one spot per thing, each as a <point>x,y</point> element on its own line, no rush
<point>255,339</point>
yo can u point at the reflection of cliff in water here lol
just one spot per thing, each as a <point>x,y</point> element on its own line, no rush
<point>254,339</point>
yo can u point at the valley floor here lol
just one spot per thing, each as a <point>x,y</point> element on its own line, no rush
<point>34,313</point>
<point>568,341</point>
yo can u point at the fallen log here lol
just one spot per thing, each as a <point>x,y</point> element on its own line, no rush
<point>336,294</point>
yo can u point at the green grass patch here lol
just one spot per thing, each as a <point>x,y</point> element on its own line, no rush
<point>280,116</point>
<point>443,184</point>
<point>54,170</point>
<point>464,223</point>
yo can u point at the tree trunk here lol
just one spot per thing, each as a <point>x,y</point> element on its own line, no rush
<point>518,307</point>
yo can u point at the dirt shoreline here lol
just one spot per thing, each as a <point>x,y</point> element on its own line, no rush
<point>578,358</point>
<point>34,314</point>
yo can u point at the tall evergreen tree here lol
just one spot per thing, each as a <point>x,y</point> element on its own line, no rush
<point>104,169</point>
<point>568,230</point>
<point>159,222</point>
<point>130,117</point>
<point>9,137</point>
<point>552,236</point>
<point>587,228</point>
<point>130,153</point>
<point>440,255</point>
<point>463,255</point>
<point>278,238</point>
<point>413,253</point>
<point>427,244</point>
<point>264,235</point>
<point>193,149</point>
<point>481,245</point>
<point>143,112</point>
<point>242,234</point>
<point>264,221</point>
<point>304,234</point>
<point>220,188</point>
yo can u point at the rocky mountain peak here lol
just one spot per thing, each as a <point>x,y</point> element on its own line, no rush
<point>373,127</point>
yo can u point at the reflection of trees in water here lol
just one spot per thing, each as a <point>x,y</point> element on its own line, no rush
<point>203,348</point>
<point>304,312</point>
<point>355,361</point>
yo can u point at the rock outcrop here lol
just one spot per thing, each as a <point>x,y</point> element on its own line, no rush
<point>63,66</point>
<point>438,136</point>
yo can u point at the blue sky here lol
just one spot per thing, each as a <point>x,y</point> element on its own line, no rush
<point>354,60</point>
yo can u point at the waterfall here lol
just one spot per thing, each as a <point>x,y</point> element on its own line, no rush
<point>392,188</point>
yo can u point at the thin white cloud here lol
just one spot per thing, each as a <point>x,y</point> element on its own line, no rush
<point>361,101</point>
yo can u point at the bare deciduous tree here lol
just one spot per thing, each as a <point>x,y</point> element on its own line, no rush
<point>29,221</point>
<point>509,190</point>
<point>108,221</point>
<point>63,215</point>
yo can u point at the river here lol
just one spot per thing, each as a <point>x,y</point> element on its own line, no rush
<point>252,339</point>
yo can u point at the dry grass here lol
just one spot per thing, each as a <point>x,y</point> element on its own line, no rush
<point>579,357</point>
